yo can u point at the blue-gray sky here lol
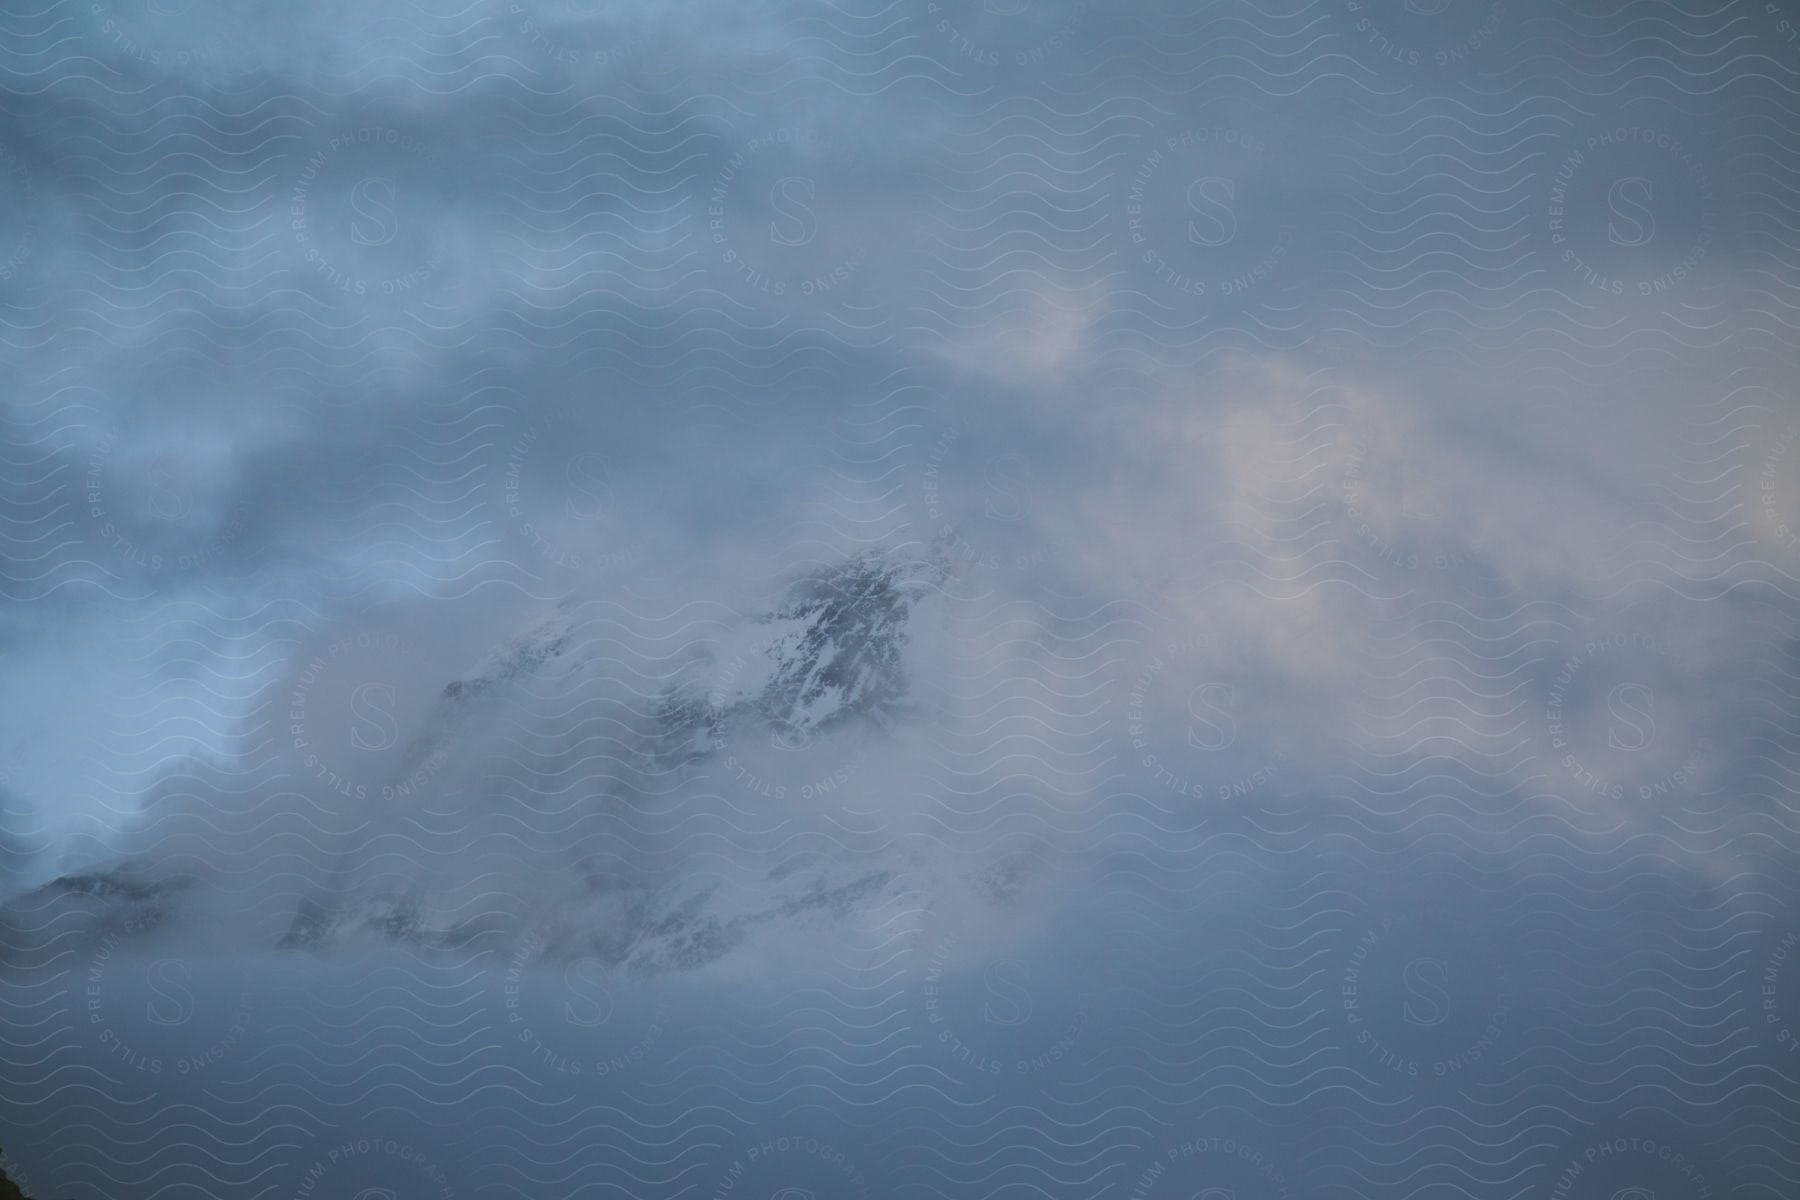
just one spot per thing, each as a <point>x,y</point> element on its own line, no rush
<point>998,598</point>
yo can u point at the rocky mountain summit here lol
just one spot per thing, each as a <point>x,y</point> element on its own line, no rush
<point>831,660</point>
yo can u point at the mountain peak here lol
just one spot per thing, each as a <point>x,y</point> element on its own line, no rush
<point>832,652</point>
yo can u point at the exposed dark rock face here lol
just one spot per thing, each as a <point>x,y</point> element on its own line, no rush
<point>122,902</point>
<point>845,661</point>
<point>8,1189</point>
<point>832,654</point>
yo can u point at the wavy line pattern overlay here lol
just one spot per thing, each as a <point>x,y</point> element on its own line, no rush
<point>785,599</point>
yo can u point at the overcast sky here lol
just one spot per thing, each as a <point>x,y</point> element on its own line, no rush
<point>1338,462</point>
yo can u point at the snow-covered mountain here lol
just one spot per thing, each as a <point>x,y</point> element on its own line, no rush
<point>572,775</point>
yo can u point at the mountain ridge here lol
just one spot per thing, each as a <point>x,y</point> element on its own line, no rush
<point>829,660</point>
